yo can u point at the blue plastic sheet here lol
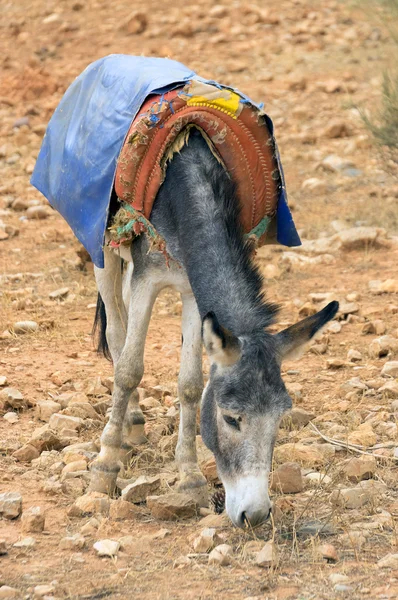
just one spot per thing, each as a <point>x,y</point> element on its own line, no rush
<point>76,165</point>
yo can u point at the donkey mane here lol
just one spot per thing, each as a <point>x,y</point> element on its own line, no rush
<point>203,202</point>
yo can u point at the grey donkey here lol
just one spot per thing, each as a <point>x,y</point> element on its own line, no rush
<point>223,307</point>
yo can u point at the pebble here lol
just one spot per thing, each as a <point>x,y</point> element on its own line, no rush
<point>7,592</point>
<point>268,555</point>
<point>342,587</point>
<point>338,578</point>
<point>13,397</point>
<point>107,547</point>
<point>73,542</point>
<point>43,590</point>
<point>3,380</point>
<point>382,346</point>
<point>26,453</point>
<point>33,520</point>
<point>141,488</point>
<point>297,417</point>
<point>121,510</point>
<point>58,294</point>
<point>314,528</point>
<point>172,507</point>
<point>46,408</point>
<point>377,327</point>
<point>11,417</point>
<point>356,497</point>
<point>221,555</point>
<point>22,327</point>
<point>354,355</point>
<point>60,422</point>
<point>206,540</point>
<point>390,389</point>
<point>92,503</point>
<point>390,369</point>
<point>3,547</point>
<point>10,505</point>
<point>135,23</point>
<point>363,467</point>
<point>26,543</point>
<point>390,561</point>
<point>307,455</point>
<point>37,212</point>
<point>287,479</point>
<point>363,435</point>
<point>329,552</point>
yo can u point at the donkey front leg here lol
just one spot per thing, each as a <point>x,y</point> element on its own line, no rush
<point>129,370</point>
<point>190,387</point>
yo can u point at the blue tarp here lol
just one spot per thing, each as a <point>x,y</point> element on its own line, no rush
<point>77,161</point>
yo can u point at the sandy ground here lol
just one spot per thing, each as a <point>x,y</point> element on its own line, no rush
<point>311,66</point>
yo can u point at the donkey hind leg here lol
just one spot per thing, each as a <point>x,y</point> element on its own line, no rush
<point>190,387</point>
<point>129,370</point>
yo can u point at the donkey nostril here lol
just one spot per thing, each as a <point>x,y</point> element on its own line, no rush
<point>243,521</point>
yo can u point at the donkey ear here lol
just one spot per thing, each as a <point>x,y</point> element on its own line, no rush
<point>291,342</point>
<point>221,346</point>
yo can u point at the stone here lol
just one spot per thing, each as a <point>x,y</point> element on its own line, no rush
<point>10,505</point>
<point>13,398</point>
<point>382,346</point>
<point>359,238</point>
<point>390,286</point>
<point>26,453</point>
<point>82,410</point>
<point>221,555</point>
<point>206,540</point>
<point>329,552</point>
<point>42,591</point>
<point>377,327</point>
<point>141,488</point>
<point>315,528</point>
<point>3,547</point>
<point>72,542</point>
<point>107,547</point>
<point>271,272</point>
<point>390,561</point>
<point>44,438</point>
<point>21,327</point>
<point>11,417</point>
<point>338,578</point>
<point>73,467</point>
<point>60,422</point>
<point>33,520</point>
<point>122,510</point>
<point>93,503</point>
<point>335,363</point>
<point>268,555</point>
<point>209,470</point>
<point>135,23</point>
<point>390,389</point>
<point>315,479</point>
<point>354,355</point>
<point>334,163</point>
<point>37,212</point>
<point>287,479</point>
<point>46,408</point>
<point>337,128</point>
<point>91,527</point>
<point>59,294</point>
<point>172,507</point>
<point>297,417</point>
<point>334,327</point>
<point>390,369</point>
<point>363,435</point>
<point>221,521</point>
<point>25,543</point>
<point>358,496</point>
<point>314,184</point>
<point>7,592</point>
<point>309,456</point>
<point>363,467</point>
<point>3,380</point>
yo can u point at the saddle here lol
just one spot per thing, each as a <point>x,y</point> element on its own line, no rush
<point>238,134</point>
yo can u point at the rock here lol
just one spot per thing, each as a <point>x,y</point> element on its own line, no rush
<point>13,398</point>
<point>42,591</point>
<point>329,552</point>
<point>354,355</point>
<point>356,497</point>
<point>308,456</point>
<point>363,435</point>
<point>44,438</point>
<point>122,510</point>
<point>82,410</point>
<point>73,542</point>
<point>135,23</point>
<point>338,578</point>
<point>139,490</point>
<point>11,417</point>
<point>268,555</point>
<point>390,389</point>
<point>206,540</point>
<point>3,380</point>
<point>335,163</point>
<point>297,417</point>
<point>46,408</point>
<point>91,527</point>
<point>382,346</point>
<point>337,128</point>
<point>307,310</point>
<point>221,555</point>
<point>209,470</point>
<point>73,467</point>
<point>287,479</point>
<point>333,327</point>
<point>60,422</point>
<point>25,543</point>
<point>313,184</point>
<point>316,479</point>
<point>3,547</point>
<point>107,547</point>
<point>358,238</point>
<point>335,363</point>
<point>377,327</point>
<point>172,507</point>
<point>26,453</point>
<point>58,294</point>
<point>93,503</point>
<point>37,212</point>
<point>315,528</point>
<point>390,369</point>
<point>221,520</point>
<point>33,520</point>
<point>21,327</point>
<point>390,286</point>
<point>10,505</point>
<point>390,561</point>
<point>363,467</point>
<point>7,592</point>
<point>271,272</point>
<point>19,205</point>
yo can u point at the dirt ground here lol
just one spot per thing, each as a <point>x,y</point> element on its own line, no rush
<point>312,64</point>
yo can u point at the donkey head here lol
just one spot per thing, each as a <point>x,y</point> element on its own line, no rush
<point>242,405</point>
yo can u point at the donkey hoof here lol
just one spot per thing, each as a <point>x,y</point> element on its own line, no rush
<point>195,486</point>
<point>103,478</point>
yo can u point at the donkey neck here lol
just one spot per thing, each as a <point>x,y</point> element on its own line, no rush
<point>206,237</point>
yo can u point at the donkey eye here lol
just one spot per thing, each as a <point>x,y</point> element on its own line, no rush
<point>232,422</point>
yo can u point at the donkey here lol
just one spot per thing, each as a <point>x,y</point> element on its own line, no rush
<point>223,306</point>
